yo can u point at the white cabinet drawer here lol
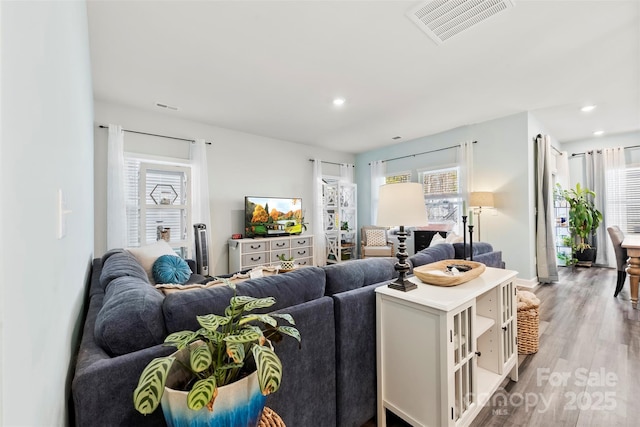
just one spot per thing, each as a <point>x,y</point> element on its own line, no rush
<point>251,247</point>
<point>300,252</point>
<point>250,260</point>
<point>298,242</point>
<point>304,261</point>
<point>278,245</point>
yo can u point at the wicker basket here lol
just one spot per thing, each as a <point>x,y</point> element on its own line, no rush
<point>528,323</point>
<point>270,419</point>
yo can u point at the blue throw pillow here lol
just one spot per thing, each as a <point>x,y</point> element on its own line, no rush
<point>171,269</point>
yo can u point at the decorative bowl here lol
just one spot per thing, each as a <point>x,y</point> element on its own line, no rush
<point>438,273</point>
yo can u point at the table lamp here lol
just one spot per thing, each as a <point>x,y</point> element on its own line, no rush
<point>481,199</point>
<point>399,205</point>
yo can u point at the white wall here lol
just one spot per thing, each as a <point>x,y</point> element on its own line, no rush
<point>240,164</point>
<point>502,164</point>
<point>46,145</point>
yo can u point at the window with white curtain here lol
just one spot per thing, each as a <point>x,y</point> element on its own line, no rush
<point>628,202</point>
<point>398,178</point>
<point>158,203</point>
<point>442,196</point>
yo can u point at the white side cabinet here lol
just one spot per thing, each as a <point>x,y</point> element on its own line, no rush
<point>248,253</point>
<point>443,351</point>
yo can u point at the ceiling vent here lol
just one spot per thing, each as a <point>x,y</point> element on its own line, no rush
<point>443,19</point>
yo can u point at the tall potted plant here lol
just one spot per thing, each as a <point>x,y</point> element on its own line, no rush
<point>221,373</point>
<point>584,219</point>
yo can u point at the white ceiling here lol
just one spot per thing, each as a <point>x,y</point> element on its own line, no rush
<point>272,68</point>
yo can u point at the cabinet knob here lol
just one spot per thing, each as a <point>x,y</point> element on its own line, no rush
<point>478,353</point>
<point>504,328</point>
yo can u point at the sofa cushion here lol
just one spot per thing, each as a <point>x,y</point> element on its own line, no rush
<point>478,248</point>
<point>171,269</point>
<point>131,316</point>
<point>118,263</point>
<point>295,287</point>
<point>432,254</point>
<point>358,273</point>
<point>148,254</point>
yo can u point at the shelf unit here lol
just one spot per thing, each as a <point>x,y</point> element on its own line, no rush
<point>561,214</point>
<point>467,347</point>
<point>248,253</point>
<point>340,220</point>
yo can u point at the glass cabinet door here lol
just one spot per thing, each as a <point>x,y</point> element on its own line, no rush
<point>507,294</point>
<point>464,390</point>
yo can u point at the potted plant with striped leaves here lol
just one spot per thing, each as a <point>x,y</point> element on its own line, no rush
<point>221,373</point>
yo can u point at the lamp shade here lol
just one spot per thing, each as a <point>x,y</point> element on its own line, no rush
<point>482,199</point>
<point>401,204</point>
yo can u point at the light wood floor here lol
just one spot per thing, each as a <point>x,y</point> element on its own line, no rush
<point>587,370</point>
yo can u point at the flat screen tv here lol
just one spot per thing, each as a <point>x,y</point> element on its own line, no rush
<point>272,216</point>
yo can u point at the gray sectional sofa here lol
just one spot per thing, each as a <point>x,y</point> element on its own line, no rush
<point>329,380</point>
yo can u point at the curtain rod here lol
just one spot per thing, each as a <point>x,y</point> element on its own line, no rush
<point>333,163</point>
<point>155,134</point>
<point>425,152</point>
<point>554,148</point>
<point>600,151</point>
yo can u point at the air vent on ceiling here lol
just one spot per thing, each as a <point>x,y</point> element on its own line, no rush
<point>443,19</point>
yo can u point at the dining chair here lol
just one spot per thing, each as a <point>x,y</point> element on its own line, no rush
<point>617,236</point>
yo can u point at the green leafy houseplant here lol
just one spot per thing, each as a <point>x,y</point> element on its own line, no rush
<point>584,218</point>
<point>282,257</point>
<point>219,354</point>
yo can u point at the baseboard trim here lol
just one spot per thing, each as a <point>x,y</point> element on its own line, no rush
<point>527,283</point>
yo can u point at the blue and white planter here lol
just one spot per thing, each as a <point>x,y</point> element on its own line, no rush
<point>238,404</point>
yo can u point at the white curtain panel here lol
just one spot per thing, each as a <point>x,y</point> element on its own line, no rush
<point>465,163</point>
<point>464,155</point>
<point>346,173</point>
<point>378,170</point>
<point>596,182</point>
<point>615,212</point>
<point>200,197</point>
<point>546,264</point>
<point>319,244</point>
<point>116,198</point>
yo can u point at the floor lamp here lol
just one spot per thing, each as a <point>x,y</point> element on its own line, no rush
<point>479,200</point>
<point>401,204</point>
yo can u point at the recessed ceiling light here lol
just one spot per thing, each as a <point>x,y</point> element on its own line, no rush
<point>338,102</point>
<point>598,133</point>
<point>588,108</point>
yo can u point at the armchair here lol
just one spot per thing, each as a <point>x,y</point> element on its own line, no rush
<point>374,242</point>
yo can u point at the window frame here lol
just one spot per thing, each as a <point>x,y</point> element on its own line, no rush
<point>137,201</point>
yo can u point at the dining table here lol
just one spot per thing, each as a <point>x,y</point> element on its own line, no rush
<point>632,243</point>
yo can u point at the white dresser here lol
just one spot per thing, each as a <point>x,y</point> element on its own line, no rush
<point>247,253</point>
<point>443,351</point>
